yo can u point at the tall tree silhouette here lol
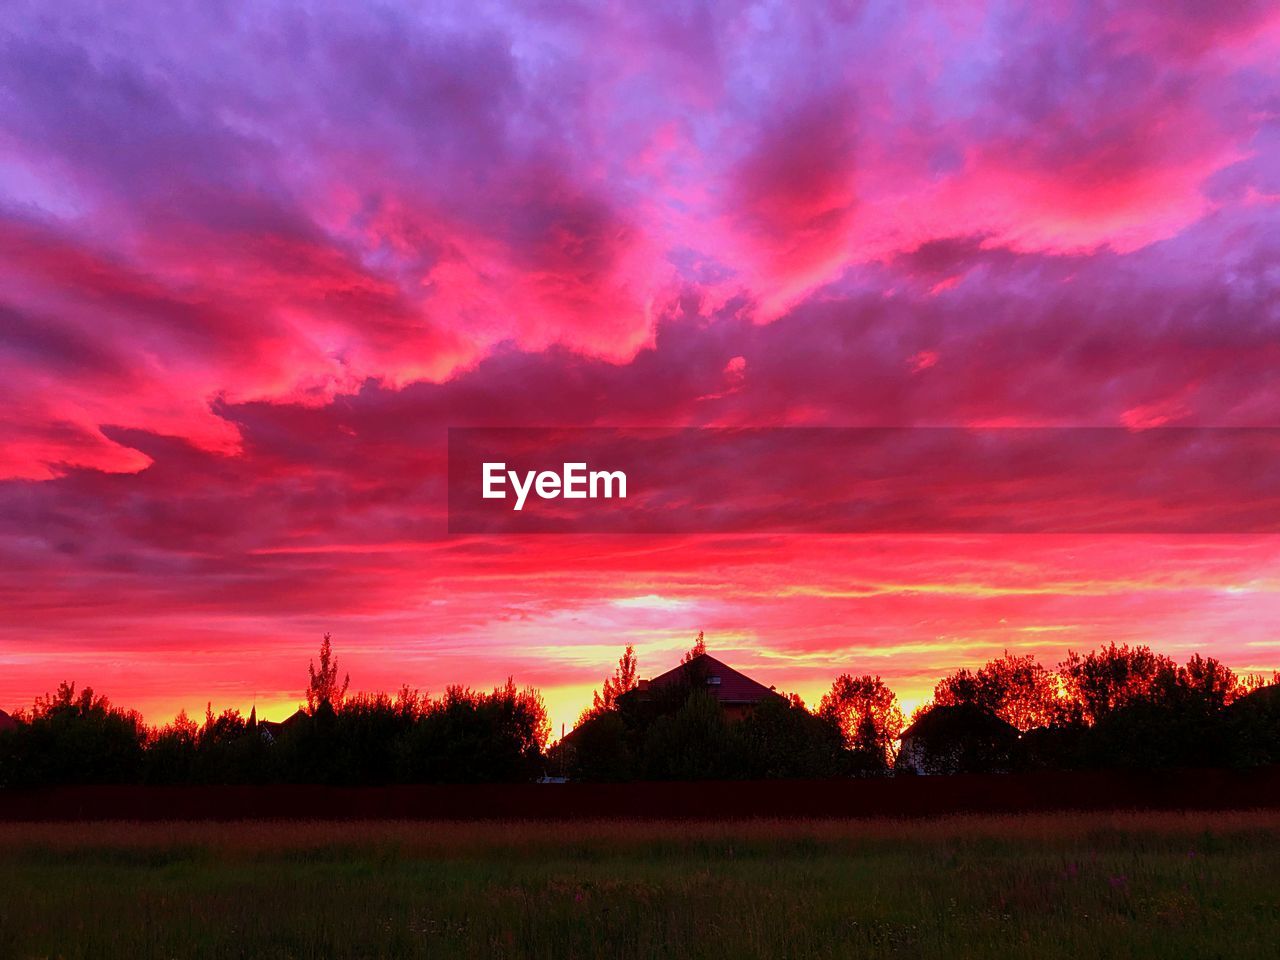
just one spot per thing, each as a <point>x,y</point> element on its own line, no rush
<point>623,680</point>
<point>698,649</point>
<point>867,714</point>
<point>323,687</point>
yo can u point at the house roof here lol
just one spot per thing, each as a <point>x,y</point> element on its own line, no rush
<point>7,722</point>
<point>721,680</point>
<point>957,720</point>
<point>286,723</point>
<point>1267,698</point>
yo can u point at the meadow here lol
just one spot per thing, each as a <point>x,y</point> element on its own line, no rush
<point>1068,885</point>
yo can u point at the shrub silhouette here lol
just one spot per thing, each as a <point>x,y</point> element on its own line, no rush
<point>780,738</point>
<point>470,737</point>
<point>72,737</point>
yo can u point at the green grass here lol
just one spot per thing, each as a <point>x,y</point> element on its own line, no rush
<point>1072,886</point>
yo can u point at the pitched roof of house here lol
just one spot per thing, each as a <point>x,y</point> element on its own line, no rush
<point>7,722</point>
<point>286,723</point>
<point>1267,698</point>
<point>721,680</point>
<point>958,719</point>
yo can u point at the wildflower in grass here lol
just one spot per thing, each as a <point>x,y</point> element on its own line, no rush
<point>1119,883</point>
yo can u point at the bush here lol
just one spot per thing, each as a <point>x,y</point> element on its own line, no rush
<point>693,743</point>
<point>470,737</point>
<point>73,738</point>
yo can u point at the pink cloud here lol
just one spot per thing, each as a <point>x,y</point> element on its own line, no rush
<point>923,360</point>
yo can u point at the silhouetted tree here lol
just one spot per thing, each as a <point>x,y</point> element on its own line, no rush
<point>221,729</point>
<point>693,743</point>
<point>622,681</point>
<point>473,737</point>
<point>1112,677</point>
<point>1177,719</point>
<point>367,734</point>
<point>1018,690</point>
<point>601,749</point>
<point>231,751</point>
<point>72,737</point>
<point>323,686</point>
<point>866,713</point>
<point>171,751</point>
<point>698,649</point>
<point>1206,685</point>
<point>780,738</point>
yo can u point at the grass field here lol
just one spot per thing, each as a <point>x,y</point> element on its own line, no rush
<point>1037,886</point>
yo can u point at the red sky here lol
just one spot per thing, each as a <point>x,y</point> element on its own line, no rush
<point>253,265</point>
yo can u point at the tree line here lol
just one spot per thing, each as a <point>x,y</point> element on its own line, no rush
<point>1114,707</point>
<point>465,735</point>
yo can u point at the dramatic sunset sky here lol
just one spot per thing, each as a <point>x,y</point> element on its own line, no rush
<point>255,259</point>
